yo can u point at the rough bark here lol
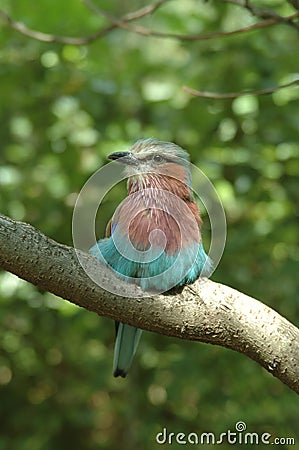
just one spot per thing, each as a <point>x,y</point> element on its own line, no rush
<point>205,311</point>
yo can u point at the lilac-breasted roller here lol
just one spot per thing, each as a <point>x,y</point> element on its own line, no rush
<point>153,238</point>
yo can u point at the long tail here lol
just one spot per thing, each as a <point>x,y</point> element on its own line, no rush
<point>127,338</point>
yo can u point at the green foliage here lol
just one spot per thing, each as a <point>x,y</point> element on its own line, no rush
<point>63,109</point>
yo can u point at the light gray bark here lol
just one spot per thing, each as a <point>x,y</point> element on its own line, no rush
<point>205,311</point>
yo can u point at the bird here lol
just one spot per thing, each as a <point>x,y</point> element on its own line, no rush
<point>154,236</point>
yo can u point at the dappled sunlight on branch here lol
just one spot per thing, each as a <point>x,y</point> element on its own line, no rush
<point>204,311</point>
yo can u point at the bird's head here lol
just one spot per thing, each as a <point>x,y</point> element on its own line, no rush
<point>151,159</point>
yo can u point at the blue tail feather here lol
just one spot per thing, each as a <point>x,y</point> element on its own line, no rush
<point>126,343</point>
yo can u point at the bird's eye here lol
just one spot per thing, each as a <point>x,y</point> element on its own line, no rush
<point>158,158</point>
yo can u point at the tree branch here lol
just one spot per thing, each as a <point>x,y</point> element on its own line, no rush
<point>206,311</point>
<point>294,3</point>
<point>265,13</point>
<point>46,37</point>
<point>269,16</point>
<point>123,23</point>
<point>218,95</point>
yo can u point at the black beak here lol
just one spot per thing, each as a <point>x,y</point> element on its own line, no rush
<point>124,158</point>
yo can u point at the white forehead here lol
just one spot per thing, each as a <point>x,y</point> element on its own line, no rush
<point>148,146</point>
<point>145,146</point>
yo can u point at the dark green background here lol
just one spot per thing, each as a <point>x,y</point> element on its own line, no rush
<point>63,110</point>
